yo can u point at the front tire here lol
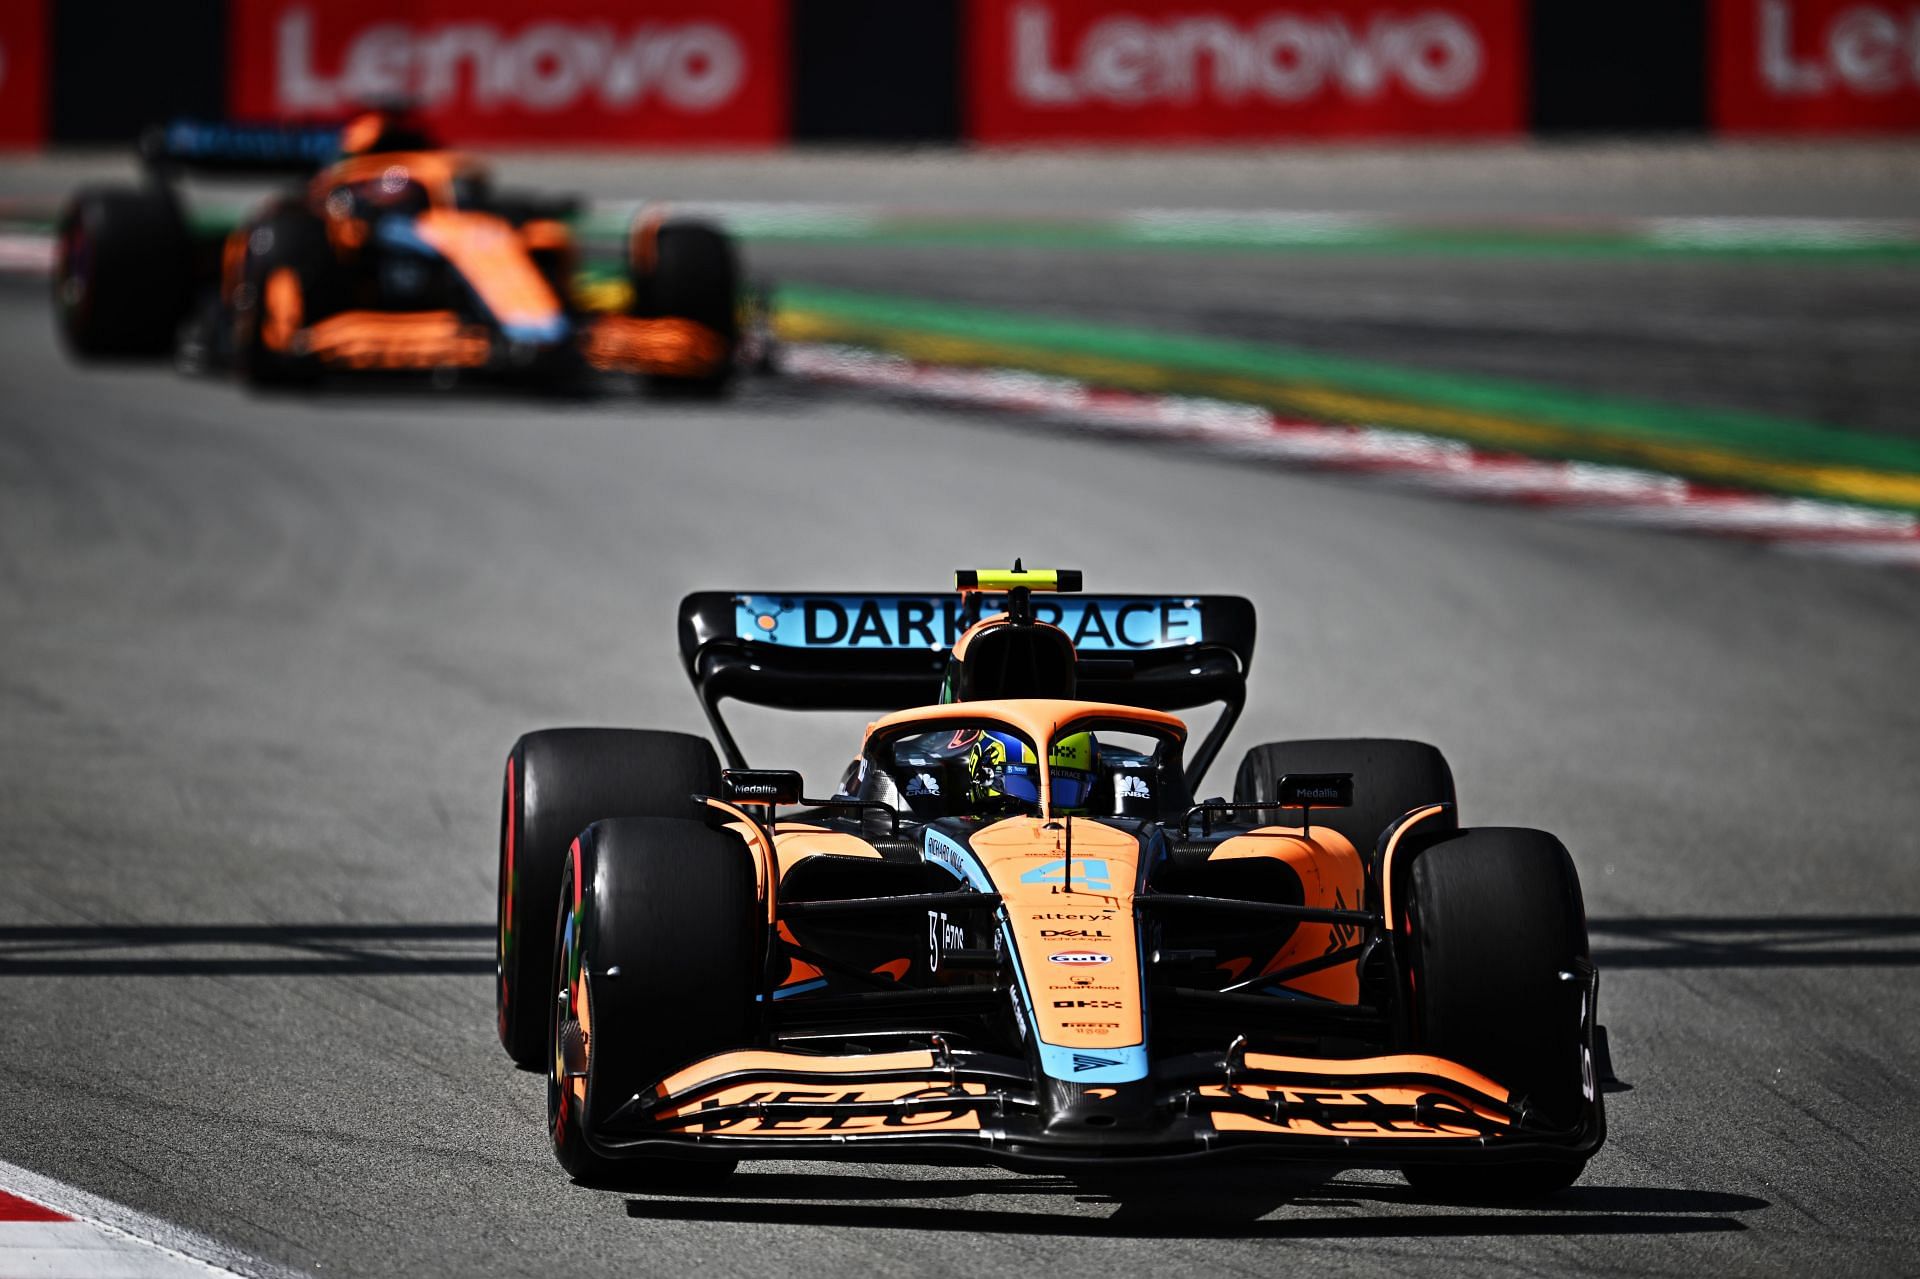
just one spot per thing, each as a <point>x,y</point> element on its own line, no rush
<point>654,967</point>
<point>1391,777</point>
<point>559,781</point>
<point>688,270</point>
<point>1495,918</point>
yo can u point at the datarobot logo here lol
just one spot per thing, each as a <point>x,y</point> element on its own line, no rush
<point>545,66</point>
<point>1284,56</point>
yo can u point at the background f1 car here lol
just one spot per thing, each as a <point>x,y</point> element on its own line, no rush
<point>1012,935</point>
<point>391,254</point>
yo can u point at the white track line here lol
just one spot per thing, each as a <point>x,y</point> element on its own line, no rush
<point>1623,494</point>
<point>105,1240</point>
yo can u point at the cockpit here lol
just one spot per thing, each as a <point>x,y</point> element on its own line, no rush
<point>972,764</point>
<point>406,183</point>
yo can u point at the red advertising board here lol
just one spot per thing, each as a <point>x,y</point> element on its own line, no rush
<point>1227,70</point>
<point>570,72</point>
<point>23,73</point>
<point>1816,66</point>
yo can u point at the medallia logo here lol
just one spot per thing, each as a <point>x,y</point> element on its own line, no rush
<point>1080,958</point>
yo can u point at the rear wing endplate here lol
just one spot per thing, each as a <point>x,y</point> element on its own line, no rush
<point>849,651</point>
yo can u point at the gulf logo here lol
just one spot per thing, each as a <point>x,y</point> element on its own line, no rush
<point>1080,958</point>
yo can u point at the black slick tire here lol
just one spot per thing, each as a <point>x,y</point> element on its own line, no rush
<point>558,782</point>
<point>658,945</point>
<point>1496,917</point>
<point>694,274</point>
<point>122,274</point>
<point>1391,776</point>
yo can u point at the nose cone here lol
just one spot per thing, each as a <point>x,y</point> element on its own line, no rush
<point>1084,1111</point>
<point>551,331</point>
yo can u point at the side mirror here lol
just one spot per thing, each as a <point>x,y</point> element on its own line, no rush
<point>760,786</point>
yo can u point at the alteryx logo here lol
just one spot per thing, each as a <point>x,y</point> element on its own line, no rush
<point>1096,624</point>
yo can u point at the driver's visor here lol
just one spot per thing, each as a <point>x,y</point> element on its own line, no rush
<point>1070,786</point>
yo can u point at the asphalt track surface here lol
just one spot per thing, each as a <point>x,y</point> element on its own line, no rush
<point>260,660</point>
<point>1563,180</point>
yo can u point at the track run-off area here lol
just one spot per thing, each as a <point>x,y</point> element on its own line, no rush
<point>261,658</point>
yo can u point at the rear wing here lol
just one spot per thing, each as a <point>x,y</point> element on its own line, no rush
<point>239,149</point>
<point>848,651</point>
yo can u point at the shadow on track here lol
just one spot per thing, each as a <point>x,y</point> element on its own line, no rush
<point>586,389</point>
<point>1757,941</point>
<point>167,950</point>
<point>257,950</point>
<point>1215,1207</point>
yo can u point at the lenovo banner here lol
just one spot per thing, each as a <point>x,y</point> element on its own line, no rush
<point>573,72</point>
<point>1226,70</point>
<point>1816,66</point>
<point>23,64</point>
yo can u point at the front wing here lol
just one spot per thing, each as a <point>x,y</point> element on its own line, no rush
<point>431,340</point>
<point>980,1107</point>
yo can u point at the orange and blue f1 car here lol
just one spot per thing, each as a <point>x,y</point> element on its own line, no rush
<point>389,254</point>
<point>1013,934</point>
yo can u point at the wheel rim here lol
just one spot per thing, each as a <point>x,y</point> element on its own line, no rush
<point>569,1045</point>
<point>74,271</point>
<point>503,950</point>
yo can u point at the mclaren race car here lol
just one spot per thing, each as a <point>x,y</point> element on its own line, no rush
<point>390,254</point>
<point>1013,935</point>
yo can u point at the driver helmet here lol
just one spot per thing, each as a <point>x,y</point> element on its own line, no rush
<point>1006,768</point>
<point>395,190</point>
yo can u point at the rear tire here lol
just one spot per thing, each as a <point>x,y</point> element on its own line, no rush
<point>1496,917</point>
<point>559,781</point>
<point>694,275</point>
<point>654,968</point>
<point>1391,777</point>
<point>123,272</point>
